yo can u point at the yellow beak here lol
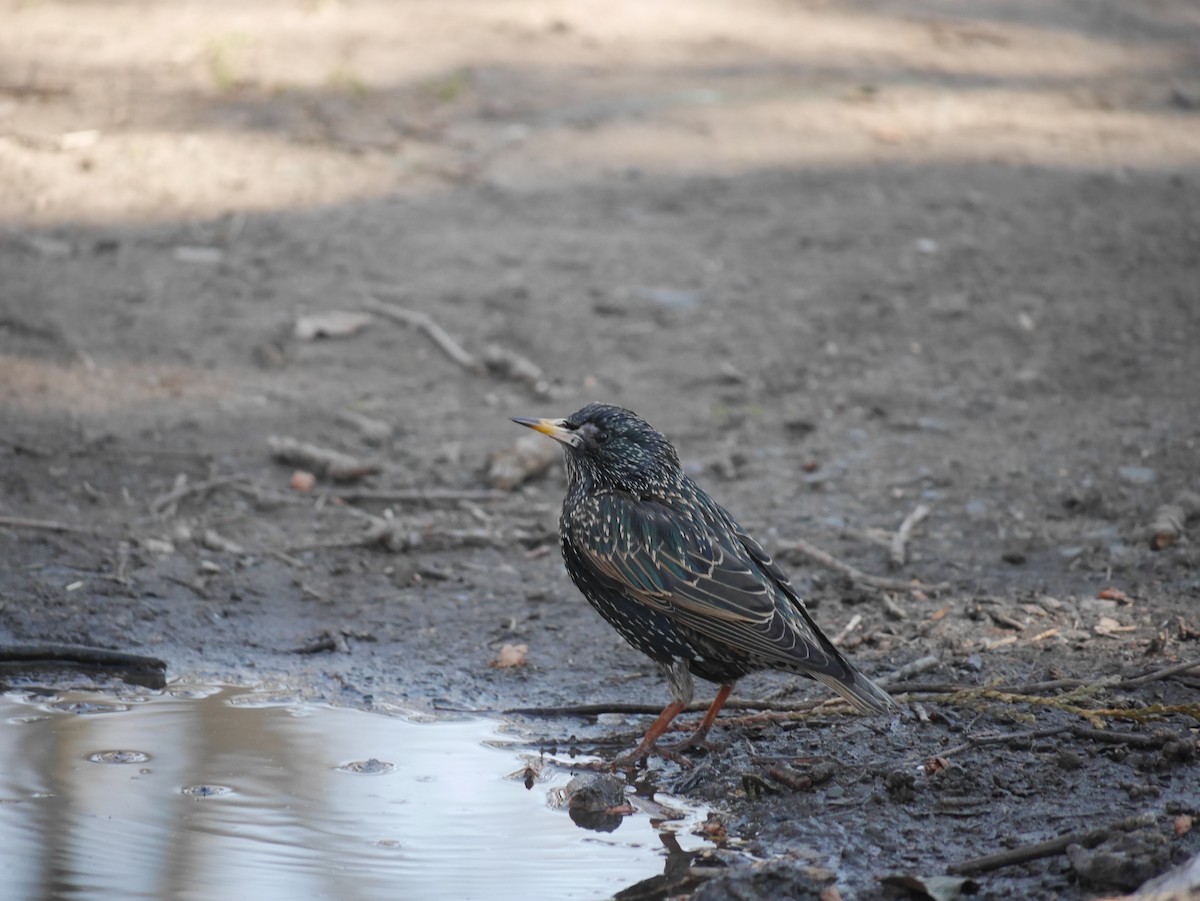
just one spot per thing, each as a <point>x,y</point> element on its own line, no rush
<point>555,428</point>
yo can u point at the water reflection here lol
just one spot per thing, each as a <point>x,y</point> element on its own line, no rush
<point>215,794</point>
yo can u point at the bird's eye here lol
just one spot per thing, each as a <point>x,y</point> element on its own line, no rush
<point>600,437</point>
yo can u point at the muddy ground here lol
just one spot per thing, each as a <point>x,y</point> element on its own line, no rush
<point>852,257</point>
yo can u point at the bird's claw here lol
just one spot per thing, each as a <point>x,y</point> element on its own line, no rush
<point>638,758</point>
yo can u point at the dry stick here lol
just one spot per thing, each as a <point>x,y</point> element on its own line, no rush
<point>1054,846</point>
<point>79,654</point>
<point>899,546</point>
<point>425,323</point>
<point>1002,739</point>
<point>824,558</point>
<point>1164,673</point>
<point>163,501</point>
<point>847,629</point>
<point>47,525</point>
<point>1121,738</point>
<point>424,495</point>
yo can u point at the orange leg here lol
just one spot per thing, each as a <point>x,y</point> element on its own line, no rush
<point>643,750</point>
<point>696,740</point>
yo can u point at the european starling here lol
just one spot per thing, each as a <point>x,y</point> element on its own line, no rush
<point>676,575</point>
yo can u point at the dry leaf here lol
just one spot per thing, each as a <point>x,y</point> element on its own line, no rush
<point>302,480</point>
<point>712,829</point>
<point>935,765</point>
<point>939,614</point>
<point>1114,594</point>
<point>511,655</point>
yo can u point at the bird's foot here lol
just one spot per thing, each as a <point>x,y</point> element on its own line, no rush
<point>638,757</point>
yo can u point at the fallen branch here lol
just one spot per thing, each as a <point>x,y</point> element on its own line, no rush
<point>920,665</point>
<point>423,495</point>
<point>1024,854</point>
<point>146,671</point>
<point>425,323</point>
<point>323,461</point>
<point>1164,673</point>
<point>899,547</point>
<point>981,740</point>
<point>48,525</point>
<point>855,575</point>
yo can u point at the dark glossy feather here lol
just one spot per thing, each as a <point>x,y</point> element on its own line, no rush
<point>674,573</point>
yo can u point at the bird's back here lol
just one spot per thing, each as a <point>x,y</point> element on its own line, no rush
<point>678,577</point>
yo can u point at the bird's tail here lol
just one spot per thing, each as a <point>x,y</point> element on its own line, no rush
<point>863,694</point>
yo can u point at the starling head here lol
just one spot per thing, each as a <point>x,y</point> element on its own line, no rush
<point>611,447</point>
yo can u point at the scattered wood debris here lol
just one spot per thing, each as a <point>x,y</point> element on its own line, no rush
<point>325,462</point>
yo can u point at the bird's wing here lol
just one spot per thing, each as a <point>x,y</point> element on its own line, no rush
<point>695,565</point>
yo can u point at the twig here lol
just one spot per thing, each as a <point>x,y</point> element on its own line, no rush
<point>1155,676</point>
<point>899,547</point>
<point>425,323</point>
<point>857,576</point>
<point>47,525</point>
<point>177,494</point>
<point>981,740</point>
<point>424,495</point>
<point>847,629</point>
<point>976,865</point>
<point>146,671</point>
<point>920,665</point>
<point>1121,738</point>
<point>322,460</point>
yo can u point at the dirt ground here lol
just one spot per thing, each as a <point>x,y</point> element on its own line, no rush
<point>852,257</point>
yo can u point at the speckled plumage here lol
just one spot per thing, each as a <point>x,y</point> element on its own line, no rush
<point>673,572</point>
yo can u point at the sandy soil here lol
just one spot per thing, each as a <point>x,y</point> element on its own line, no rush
<point>852,257</point>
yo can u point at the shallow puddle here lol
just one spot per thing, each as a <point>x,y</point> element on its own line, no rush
<point>228,793</point>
